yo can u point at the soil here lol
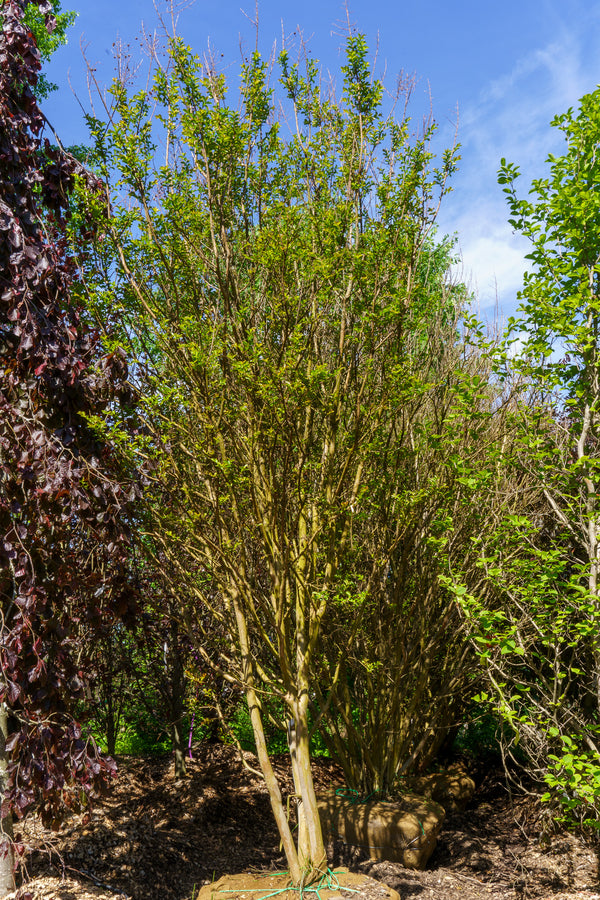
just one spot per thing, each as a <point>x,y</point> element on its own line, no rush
<point>157,838</point>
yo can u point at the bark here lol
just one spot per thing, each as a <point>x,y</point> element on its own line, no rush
<point>178,750</point>
<point>289,848</point>
<point>111,729</point>
<point>312,823</point>
<point>591,529</point>
<point>303,843</point>
<point>175,676</point>
<point>272,784</point>
<point>7,880</point>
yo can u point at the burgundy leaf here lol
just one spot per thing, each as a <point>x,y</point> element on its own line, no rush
<point>14,692</point>
<point>63,505</point>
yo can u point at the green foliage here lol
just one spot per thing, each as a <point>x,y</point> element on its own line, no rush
<point>137,737</point>
<point>283,296</point>
<point>48,42</point>
<point>536,630</point>
<point>574,776</point>
<point>534,634</point>
<point>560,303</point>
<point>480,735</point>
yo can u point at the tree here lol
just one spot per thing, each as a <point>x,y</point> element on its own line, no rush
<point>274,288</point>
<point>539,638</point>
<point>407,678</point>
<point>140,673</point>
<point>62,501</point>
<point>164,652</point>
<point>47,40</point>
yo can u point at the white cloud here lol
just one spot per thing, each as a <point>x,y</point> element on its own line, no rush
<point>510,118</point>
<point>493,259</point>
<point>560,61</point>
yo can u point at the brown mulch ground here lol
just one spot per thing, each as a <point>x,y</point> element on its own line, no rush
<point>156,838</point>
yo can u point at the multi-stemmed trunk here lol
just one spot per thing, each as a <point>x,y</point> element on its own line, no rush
<point>311,849</point>
<point>307,858</point>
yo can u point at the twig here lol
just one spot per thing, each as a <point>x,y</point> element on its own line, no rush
<point>496,884</point>
<point>468,878</point>
<point>97,881</point>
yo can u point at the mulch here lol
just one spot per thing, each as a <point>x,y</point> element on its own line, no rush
<point>158,838</point>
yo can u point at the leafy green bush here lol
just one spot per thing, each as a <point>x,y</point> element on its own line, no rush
<point>276,737</point>
<point>479,737</point>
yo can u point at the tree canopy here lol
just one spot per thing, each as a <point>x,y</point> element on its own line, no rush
<point>358,510</point>
<point>280,288</point>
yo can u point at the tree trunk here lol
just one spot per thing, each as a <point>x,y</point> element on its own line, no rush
<point>302,841</point>
<point>111,730</point>
<point>7,878</point>
<point>283,826</point>
<point>300,749</point>
<point>175,673</point>
<point>272,784</point>
<point>111,724</point>
<point>178,751</point>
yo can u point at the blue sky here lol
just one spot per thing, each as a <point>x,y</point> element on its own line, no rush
<point>507,68</point>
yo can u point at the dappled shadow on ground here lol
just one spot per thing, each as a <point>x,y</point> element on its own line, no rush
<point>156,837</point>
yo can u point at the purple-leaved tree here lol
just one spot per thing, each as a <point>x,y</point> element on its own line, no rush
<point>64,498</point>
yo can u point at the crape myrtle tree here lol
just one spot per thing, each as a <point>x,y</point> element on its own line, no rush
<point>407,679</point>
<point>268,260</point>
<point>62,504</point>
<point>540,638</point>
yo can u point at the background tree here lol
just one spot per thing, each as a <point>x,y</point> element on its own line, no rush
<point>166,652</point>
<point>154,658</point>
<point>61,499</point>
<point>149,690</point>
<point>269,280</point>
<point>47,40</point>
<point>540,637</point>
